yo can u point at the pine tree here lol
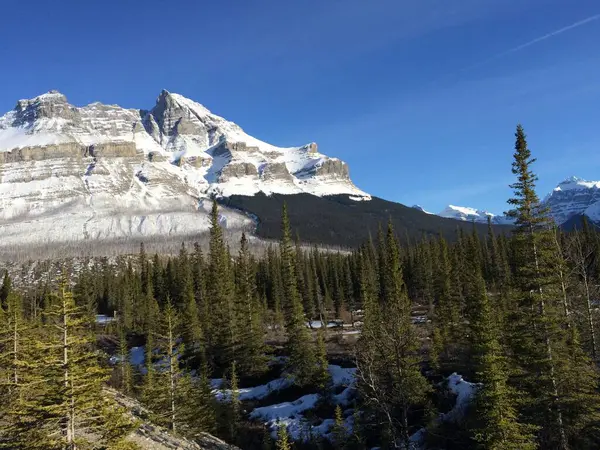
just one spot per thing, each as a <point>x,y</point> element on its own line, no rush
<point>19,379</point>
<point>339,433</point>
<point>5,289</point>
<point>71,406</point>
<point>234,404</point>
<point>322,377</point>
<point>199,277</point>
<point>251,359</point>
<point>283,442</point>
<point>446,321</point>
<point>497,426</point>
<point>192,334</point>
<point>220,293</point>
<point>301,363</point>
<point>125,369</point>
<point>388,375</point>
<point>171,350</point>
<point>546,351</point>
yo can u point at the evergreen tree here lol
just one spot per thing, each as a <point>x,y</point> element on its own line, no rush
<point>5,289</point>
<point>545,349</point>
<point>339,433</point>
<point>388,372</point>
<point>125,369</point>
<point>220,291</point>
<point>497,426</point>
<point>192,334</point>
<point>234,415</point>
<point>322,377</point>
<point>250,333</point>
<point>71,406</point>
<point>283,441</point>
<point>301,363</point>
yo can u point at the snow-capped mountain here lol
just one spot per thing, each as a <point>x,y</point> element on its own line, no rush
<point>573,197</point>
<point>103,171</point>
<point>467,214</point>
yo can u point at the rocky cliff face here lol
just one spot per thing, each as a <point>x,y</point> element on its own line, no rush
<point>103,171</point>
<point>574,197</point>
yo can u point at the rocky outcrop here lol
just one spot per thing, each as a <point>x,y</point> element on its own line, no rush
<point>157,157</point>
<point>50,105</point>
<point>152,127</point>
<point>276,171</point>
<point>333,168</point>
<point>237,170</point>
<point>40,153</point>
<point>151,437</point>
<point>312,148</point>
<point>112,150</point>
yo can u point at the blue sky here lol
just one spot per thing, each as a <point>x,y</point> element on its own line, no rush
<point>420,97</point>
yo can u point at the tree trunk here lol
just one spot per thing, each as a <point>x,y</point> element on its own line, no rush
<point>590,317</point>
<point>70,419</point>
<point>15,349</point>
<point>171,375</point>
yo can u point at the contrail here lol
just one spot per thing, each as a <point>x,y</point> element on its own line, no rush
<point>535,41</point>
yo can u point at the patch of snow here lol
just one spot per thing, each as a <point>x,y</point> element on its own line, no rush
<point>342,376</point>
<point>420,208</point>
<point>464,392</point>
<point>257,392</point>
<point>137,356</point>
<point>103,319</point>
<point>319,324</point>
<point>285,409</point>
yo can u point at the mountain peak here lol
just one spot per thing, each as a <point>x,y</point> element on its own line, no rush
<point>50,96</point>
<point>571,179</point>
<point>574,182</point>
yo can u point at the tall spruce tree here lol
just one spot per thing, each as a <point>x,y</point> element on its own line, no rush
<point>250,358</point>
<point>220,292</point>
<point>302,362</point>
<point>543,347</point>
<point>497,425</point>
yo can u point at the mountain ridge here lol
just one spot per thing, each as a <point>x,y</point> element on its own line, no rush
<point>99,171</point>
<point>573,198</point>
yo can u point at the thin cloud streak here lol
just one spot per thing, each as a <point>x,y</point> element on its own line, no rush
<point>534,41</point>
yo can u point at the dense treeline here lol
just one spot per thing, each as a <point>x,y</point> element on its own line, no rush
<point>515,313</point>
<point>341,221</point>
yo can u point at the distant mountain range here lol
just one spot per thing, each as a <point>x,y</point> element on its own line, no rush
<point>568,202</point>
<point>102,172</point>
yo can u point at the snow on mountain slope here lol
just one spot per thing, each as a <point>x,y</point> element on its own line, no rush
<point>472,215</point>
<point>420,208</point>
<point>572,197</point>
<point>102,171</point>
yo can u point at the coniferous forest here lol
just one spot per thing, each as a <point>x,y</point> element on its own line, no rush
<point>512,316</point>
